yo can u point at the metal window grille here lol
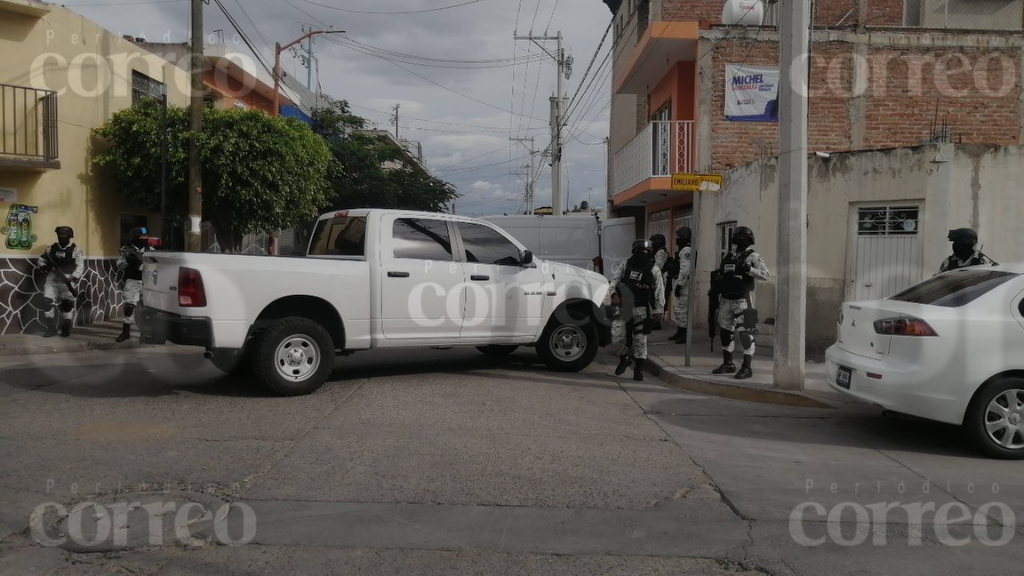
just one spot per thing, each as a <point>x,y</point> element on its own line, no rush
<point>888,221</point>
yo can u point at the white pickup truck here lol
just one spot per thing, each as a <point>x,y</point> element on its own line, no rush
<point>373,279</point>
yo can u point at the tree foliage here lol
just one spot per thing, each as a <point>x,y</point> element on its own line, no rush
<point>370,171</point>
<point>260,174</point>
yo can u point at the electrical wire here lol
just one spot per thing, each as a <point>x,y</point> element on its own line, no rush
<point>421,61</point>
<point>505,147</point>
<point>393,13</point>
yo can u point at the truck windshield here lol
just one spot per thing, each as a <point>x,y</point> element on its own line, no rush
<point>955,288</point>
<point>339,236</point>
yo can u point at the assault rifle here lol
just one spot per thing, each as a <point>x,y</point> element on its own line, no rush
<point>63,277</point>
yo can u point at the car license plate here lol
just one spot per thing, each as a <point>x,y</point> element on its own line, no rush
<point>843,377</point>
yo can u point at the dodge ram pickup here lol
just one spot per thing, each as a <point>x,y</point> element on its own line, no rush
<point>373,279</point>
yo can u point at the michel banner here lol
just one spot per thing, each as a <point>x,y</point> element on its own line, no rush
<point>751,93</point>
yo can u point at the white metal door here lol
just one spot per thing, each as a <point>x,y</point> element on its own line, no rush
<point>660,223</point>
<point>885,251</point>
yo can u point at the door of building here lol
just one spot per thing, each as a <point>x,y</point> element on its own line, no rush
<point>884,251</point>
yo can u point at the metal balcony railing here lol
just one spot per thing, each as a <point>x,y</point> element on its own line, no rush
<point>28,123</point>
<point>659,150</point>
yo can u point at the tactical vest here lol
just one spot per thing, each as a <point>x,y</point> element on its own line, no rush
<point>63,258</point>
<point>640,283</point>
<point>954,262</point>
<point>732,285</point>
<point>134,269</point>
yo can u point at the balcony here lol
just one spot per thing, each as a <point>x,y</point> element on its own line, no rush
<point>661,47</point>
<point>28,128</point>
<point>647,162</point>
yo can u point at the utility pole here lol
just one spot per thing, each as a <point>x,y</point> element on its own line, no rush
<point>195,167</point>
<point>564,69</point>
<point>529,178</point>
<point>394,120</point>
<point>791,296</point>
<point>277,63</point>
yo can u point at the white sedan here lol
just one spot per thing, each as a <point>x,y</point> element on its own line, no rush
<point>949,349</point>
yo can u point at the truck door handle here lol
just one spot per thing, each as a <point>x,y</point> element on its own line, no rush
<point>398,274</point>
<point>476,278</point>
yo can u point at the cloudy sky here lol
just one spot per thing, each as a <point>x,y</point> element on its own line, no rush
<point>464,85</point>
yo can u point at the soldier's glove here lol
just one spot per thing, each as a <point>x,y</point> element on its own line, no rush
<point>743,267</point>
<point>679,291</point>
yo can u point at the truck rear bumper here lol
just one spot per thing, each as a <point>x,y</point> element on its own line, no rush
<point>159,327</point>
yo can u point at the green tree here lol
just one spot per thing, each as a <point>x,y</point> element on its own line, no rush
<point>260,174</point>
<point>370,171</point>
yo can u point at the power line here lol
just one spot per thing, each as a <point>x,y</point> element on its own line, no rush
<point>505,147</point>
<point>437,121</point>
<point>586,73</point>
<point>548,27</point>
<point>442,86</point>
<point>393,13</point>
<point>424,61</point>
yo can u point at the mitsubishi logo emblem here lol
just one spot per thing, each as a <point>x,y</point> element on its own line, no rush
<point>853,323</point>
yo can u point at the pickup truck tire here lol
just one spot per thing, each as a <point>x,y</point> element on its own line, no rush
<point>569,344</point>
<point>293,356</point>
<point>497,350</point>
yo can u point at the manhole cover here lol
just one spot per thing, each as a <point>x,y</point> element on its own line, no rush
<point>138,520</point>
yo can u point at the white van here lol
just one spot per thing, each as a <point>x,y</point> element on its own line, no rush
<point>577,240</point>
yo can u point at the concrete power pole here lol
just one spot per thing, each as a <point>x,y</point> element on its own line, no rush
<point>195,167</point>
<point>394,120</point>
<point>529,176</point>
<point>564,69</point>
<point>791,294</point>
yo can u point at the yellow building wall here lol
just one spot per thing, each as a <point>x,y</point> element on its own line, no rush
<point>91,68</point>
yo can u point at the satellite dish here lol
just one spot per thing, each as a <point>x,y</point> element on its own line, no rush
<point>743,12</point>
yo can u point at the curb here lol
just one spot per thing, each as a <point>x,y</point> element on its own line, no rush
<point>732,391</point>
<point>72,349</point>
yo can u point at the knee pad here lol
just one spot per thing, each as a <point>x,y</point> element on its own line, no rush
<point>67,305</point>
<point>129,309</point>
<point>726,337</point>
<point>746,339</point>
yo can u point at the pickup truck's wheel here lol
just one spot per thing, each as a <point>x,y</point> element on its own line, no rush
<point>994,422</point>
<point>293,357</point>
<point>232,362</point>
<point>498,350</point>
<point>568,344</point>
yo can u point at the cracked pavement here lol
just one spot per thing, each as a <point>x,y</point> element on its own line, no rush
<point>448,462</point>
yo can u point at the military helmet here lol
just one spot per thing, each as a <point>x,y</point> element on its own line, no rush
<point>742,232</point>
<point>65,231</point>
<point>139,232</point>
<point>964,236</point>
<point>658,241</point>
<point>642,245</point>
<point>684,233</point>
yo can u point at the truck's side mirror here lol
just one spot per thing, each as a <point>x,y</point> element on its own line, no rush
<point>526,258</point>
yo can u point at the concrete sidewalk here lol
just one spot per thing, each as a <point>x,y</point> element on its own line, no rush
<point>667,360</point>
<point>96,336</point>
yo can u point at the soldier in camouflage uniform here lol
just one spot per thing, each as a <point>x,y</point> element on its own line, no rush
<point>741,267</point>
<point>62,261</point>
<point>130,263</point>
<point>638,288</point>
<point>679,279</point>
<point>661,262</point>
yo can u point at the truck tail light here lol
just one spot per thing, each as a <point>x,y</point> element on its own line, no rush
<point>191,293</point>
<point>904,327</point>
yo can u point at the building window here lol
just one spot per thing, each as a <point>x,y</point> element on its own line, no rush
<point>241,105</point>
<point>888,221</point>
<point>143,86</point>
<point>725,238</point>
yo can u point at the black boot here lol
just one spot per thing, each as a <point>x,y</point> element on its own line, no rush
<point>126,333</point>
<point>657,326</point>
<point>745,371</point>
<point>682,338</point>
<point>638,370</point>
<point>623,364</point>
<point>51,330</point>
<point>680,333</point>
<point>727,366</point>
<point>65,328</point>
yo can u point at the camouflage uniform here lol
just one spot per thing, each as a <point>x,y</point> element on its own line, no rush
<point>681,286</point>
<point>639,348</point>
<point>730,311</point>
<point>954,263</point>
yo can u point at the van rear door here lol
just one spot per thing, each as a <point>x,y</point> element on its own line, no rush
<point>617,236</point>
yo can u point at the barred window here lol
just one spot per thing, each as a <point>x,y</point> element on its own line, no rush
<point>143,86</point>
<point>888,221</point>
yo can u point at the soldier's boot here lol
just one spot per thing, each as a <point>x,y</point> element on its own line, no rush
<point>638,370</point>
<point>656,326</point>
<point>623,364</point>
<point>727,366</point>
<point>126,333</point>
<point>65,328</point>
<point>680,333</point>
<point>682,337</point>
<point>51,329</point>
<point>745,371</point>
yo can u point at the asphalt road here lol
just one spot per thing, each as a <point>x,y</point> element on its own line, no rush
<point>447,462</point>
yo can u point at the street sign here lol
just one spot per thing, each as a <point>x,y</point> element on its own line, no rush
<point>697,182</point>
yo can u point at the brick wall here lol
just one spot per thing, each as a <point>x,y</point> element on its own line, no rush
<point>885,13</point>
<point>977,93</point>
<point>831,12</point>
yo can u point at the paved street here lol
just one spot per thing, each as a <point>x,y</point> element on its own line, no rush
<point>447,462</point>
